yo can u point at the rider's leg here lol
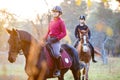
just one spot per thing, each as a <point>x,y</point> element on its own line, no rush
<point>76,43</point>
<point>92,52</point>
<point>56,49</point>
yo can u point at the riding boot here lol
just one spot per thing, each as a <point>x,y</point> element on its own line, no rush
<point>92,53</point>
<point>57,69</point>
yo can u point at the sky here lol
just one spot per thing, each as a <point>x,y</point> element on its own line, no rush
<point>27,9</point>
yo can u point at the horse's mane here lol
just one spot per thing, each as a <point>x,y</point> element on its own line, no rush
<point>25,36</point>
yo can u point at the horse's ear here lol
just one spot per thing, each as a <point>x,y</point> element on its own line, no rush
<point>14,31</point>
<point>8,30</point>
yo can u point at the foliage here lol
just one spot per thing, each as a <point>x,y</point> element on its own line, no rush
<point>7,19</point>
<point>106,22</point>
<point>78,2</point>
<point>89,3</point>
<point>102,21</point>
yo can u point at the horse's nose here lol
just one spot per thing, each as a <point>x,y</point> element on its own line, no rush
<point>10,59</point>
<point>85,48</point>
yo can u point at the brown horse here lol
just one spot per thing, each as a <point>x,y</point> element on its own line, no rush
<point>84,52</point>
<point>20,40</point>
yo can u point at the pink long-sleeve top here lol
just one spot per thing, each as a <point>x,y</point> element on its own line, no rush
<point>56,29</point>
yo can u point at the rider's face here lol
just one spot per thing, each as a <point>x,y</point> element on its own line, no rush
<point>82,21</point>
<point>55,14</point>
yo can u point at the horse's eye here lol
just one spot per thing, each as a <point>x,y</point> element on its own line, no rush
<point>8,41</point>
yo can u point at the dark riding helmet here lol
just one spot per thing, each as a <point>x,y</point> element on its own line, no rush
<point>82,17</point>
<point>57,8</point>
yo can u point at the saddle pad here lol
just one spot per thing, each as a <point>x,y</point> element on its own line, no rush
<point>50,61</point>
<point>65,61</point>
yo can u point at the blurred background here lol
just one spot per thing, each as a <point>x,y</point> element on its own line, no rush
<point>33,16</point>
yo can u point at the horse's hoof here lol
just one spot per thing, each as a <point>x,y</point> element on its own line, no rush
<point>94,61</point>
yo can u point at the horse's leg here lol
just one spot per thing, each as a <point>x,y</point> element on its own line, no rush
<point>43,71</point>
<point>97,52</point>
<point>84,72</point>
<point>61,77</point>
<point>28,71</point>
<point>76,74</point>
<point>80,74</point>
<point>30,78</point>
<point>87,69</point>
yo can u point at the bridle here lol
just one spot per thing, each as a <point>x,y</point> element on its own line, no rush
<point>19,42</point>
<point>84,39</point>
<point>20,51</point>
<point>83,33</point>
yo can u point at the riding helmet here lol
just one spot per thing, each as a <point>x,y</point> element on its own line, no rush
<point>57,8</point>
<point>82,17</point>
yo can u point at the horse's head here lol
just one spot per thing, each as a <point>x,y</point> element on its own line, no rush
<point>14,45</point>
<point>84,39</point>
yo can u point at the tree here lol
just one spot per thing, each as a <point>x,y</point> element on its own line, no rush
<point>7,20</point>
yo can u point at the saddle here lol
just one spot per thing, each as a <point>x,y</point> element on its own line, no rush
<point>65,60</point>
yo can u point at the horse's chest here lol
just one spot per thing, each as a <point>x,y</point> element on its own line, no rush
<point>85,57</point>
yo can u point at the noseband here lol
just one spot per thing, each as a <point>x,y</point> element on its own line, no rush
<point>20,51</point>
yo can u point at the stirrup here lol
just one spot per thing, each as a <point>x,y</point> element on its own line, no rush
<point>56,73</point>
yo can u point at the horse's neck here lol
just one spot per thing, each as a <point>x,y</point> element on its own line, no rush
<point>79,46</point>
<point>25,49</point>
<point>31,50</point>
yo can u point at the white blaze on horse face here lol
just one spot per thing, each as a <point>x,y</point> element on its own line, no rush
<point>85,47</point>
<point>84,40</point>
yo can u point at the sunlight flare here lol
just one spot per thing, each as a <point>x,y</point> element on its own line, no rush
<point>27,9</point>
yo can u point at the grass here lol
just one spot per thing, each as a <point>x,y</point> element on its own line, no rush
<point>98,71</point>
<point>111,71</point>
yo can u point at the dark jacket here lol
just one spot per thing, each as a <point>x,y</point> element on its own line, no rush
<point>84,27</point>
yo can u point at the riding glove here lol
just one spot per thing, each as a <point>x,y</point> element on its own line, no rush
<point>52,40</point>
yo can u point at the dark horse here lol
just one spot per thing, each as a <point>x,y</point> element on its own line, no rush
<point>84,52</point>
<point>20,40</point>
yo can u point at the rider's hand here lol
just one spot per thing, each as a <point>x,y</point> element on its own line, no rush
<point>83,31</point>
<point>52,40</point>
<point>42,43</point>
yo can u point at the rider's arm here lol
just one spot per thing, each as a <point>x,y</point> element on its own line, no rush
<point>46,36</point>
<point>76,32</point>
<point>63,31</point>
<point>89,33</point>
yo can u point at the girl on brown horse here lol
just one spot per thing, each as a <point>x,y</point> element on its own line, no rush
<point>83,26</point>
<point>84,52</point>
<point>56,31</point>
<point>36,61</point>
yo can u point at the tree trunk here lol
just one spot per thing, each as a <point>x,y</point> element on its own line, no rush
<point>104,55</point>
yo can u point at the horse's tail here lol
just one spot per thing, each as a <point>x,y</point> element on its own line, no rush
<point>97,52</point>
<point>73,54</point>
